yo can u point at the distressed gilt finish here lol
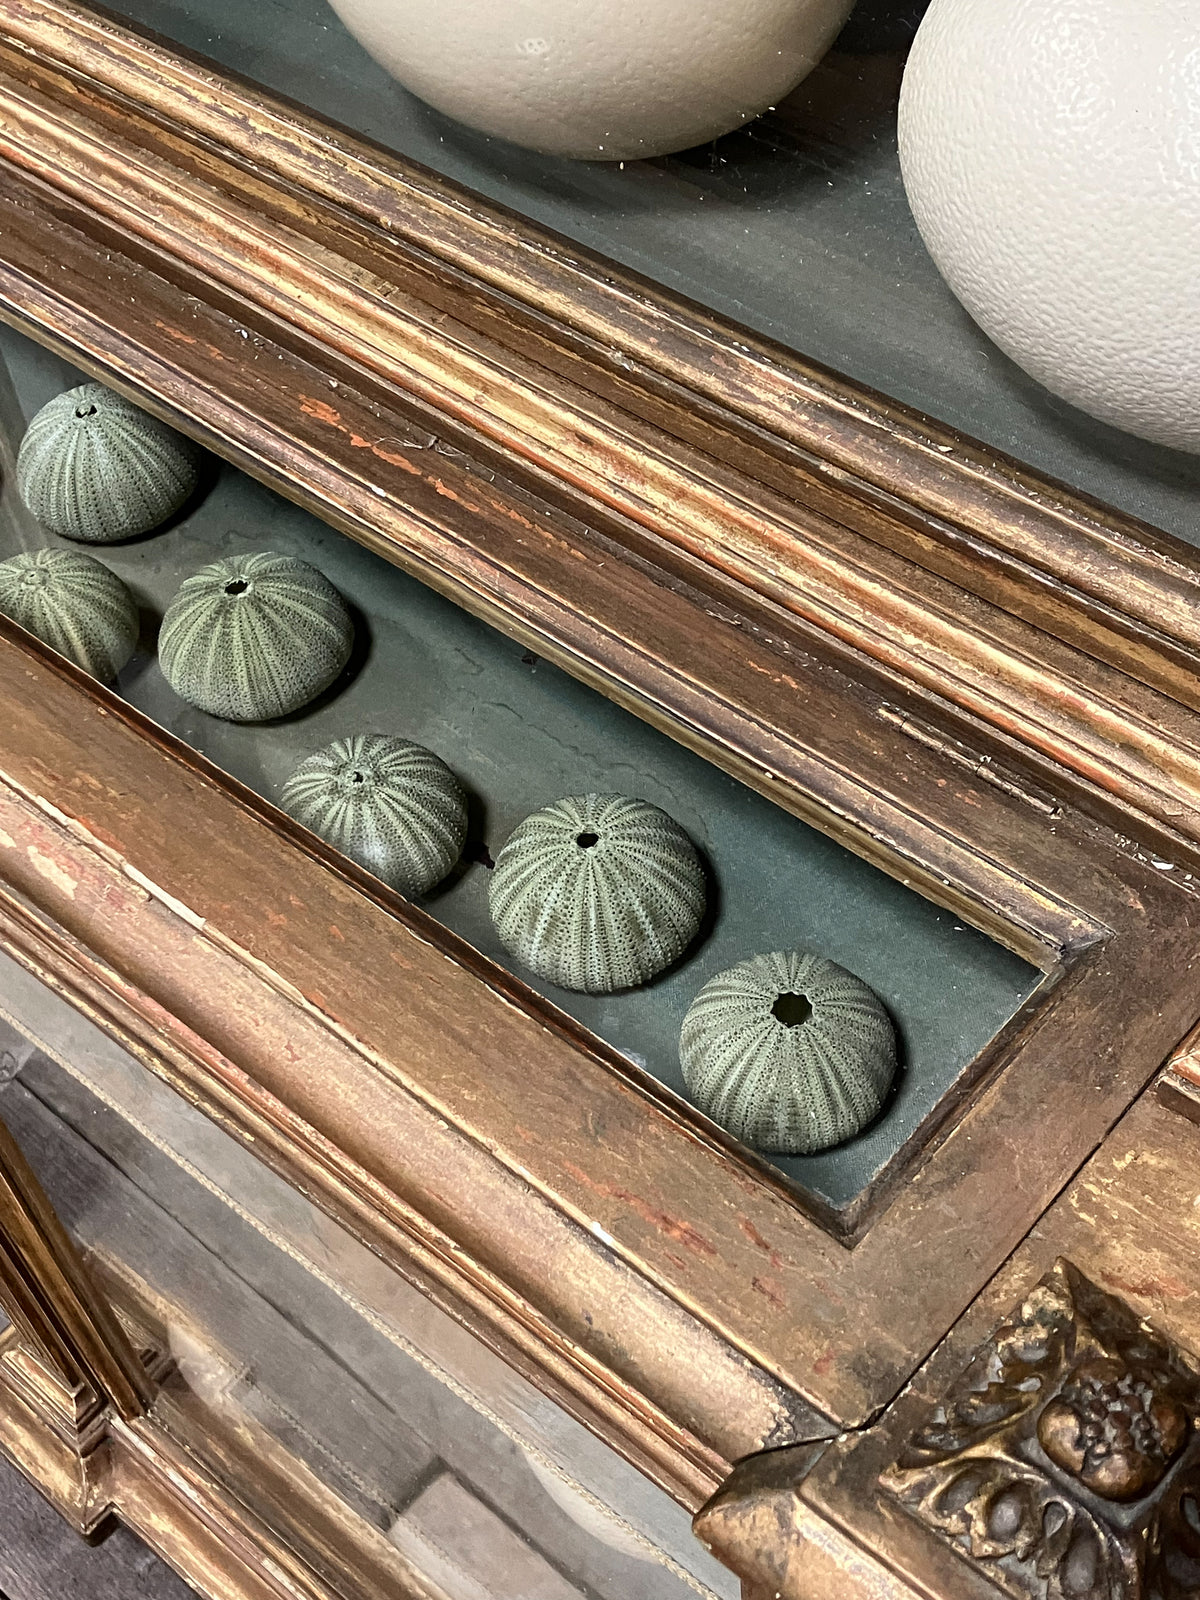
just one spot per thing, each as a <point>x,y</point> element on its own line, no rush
<point>505,417</point>
<point>51,1298</point>
<point>805,1523</point>
<point>102,900</point>
<point>978,682</point>
<point>1180,1083</point>
<point>1065,1459</point>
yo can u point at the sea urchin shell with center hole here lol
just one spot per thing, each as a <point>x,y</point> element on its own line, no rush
<point>389,804</point>
<point>252,637</point>
<point>789,1051</point>
<point>598,892</point>
<point>95,467</point>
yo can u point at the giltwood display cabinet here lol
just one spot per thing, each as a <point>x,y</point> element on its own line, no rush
<point>340,1260</point>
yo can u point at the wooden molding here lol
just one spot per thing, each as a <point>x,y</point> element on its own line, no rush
<point>694,522</point>
<point>1179,1086</point>
<point>234,953</point>
<point>238,1519</point>
<point>52,1298</point>
<point>976,680</point>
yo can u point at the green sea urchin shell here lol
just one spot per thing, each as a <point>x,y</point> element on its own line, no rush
<point>93,466</point>
<point>790,1052</point>
<point>597,892</point>
<point>254,636</point>
<point>388,804</point>
<point>74,605</point>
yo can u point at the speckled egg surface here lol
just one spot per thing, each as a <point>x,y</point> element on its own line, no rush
<point>789,1051</point>
<point>597,892</point>
<point>94,467</point>
<point>1051,155</point>
<point>252,637</point>
<point>75,605</point>
<point>389,804</point>
<point>600,80</point>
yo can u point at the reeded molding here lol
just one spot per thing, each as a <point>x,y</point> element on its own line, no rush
<point>561,445</point>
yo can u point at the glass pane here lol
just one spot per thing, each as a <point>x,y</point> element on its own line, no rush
<point>520,734</point>
<point>290,1335</point>
<point>796,226</point>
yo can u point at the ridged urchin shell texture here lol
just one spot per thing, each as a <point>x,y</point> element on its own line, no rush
<point>597,892</point>
<point>389,804</point>
<point>788,1085</point>
<point>254,636</point>
<point>73,604</point>
<point>93,466</point>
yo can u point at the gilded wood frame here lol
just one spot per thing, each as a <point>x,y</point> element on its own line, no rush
<point>978,681</point>
<point>235,955</point>
<point>815,1527</point>
<point>603,445</point>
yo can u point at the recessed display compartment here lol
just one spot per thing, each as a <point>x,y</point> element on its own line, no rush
<point>520,733</point>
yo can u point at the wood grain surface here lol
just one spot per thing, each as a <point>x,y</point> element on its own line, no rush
<point>980,682</point>
<point>570,451</point>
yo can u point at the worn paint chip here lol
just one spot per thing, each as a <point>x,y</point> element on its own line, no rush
<point>52,870</point>
<point>192,918</point>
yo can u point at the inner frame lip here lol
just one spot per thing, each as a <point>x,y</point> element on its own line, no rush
<point>1072,956</point>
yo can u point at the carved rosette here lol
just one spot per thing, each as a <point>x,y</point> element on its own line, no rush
<point>1065,1460</point>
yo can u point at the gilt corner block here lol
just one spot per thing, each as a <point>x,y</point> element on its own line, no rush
<point>1064,1462</point>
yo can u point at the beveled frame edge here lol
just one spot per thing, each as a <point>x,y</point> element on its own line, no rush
<point>451,313</point>
<point>468,1283</point>
<point>1111,700</point>
<point>52,1297</point>
<point>116,892</point>
<point>463,1287</point>
<point>1179,1086</point>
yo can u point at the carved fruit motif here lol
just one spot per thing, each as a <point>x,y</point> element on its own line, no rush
<point>790,1052</point>
<point>597,892</point>
<point>74,605</point>
<point>95,467</point>
<point>1113,1429</point>
<point>388,804</point>
<point>1074,1375</point>
<point>255,636</point>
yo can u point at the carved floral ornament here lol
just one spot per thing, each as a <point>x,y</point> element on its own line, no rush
<point>1065,1460</point>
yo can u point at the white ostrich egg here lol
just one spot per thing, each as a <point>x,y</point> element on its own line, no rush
<point>1051,154</point>
<point>601,80</point>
